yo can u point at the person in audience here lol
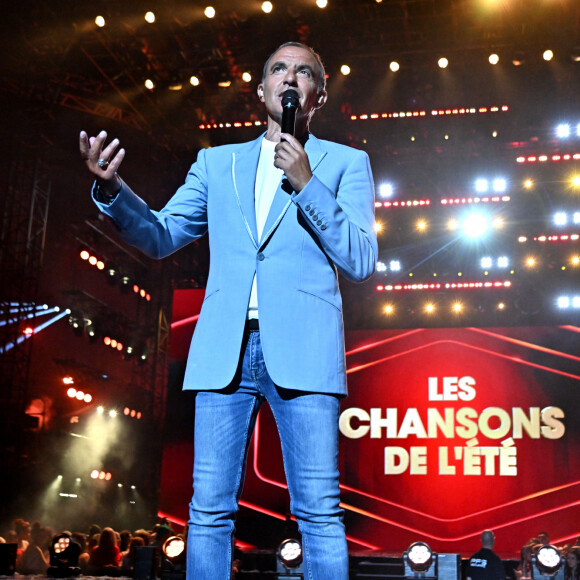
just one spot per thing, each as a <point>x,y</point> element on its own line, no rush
<point>572,566</point>
<point>524,570</point>
<point>84,555</point>
<point>107,553</point>
<point>35,559</point>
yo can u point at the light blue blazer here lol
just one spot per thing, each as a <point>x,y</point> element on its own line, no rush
<point>308,236</point>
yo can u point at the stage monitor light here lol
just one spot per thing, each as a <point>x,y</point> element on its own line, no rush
<point>547,562</point>
<point>289,559</point>
<point>420,561</point>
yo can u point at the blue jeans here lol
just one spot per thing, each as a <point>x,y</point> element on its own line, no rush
<point>308,428</point>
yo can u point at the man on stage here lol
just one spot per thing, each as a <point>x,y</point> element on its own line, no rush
<point>283,214</point>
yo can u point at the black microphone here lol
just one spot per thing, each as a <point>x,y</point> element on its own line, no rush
<point>290,103</point>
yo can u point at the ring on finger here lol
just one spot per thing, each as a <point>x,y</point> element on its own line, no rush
<point>103,163</point>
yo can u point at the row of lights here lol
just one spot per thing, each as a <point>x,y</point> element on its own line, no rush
<point>486,262</point>
<point>553,238</point>
<point>473,226</point>
<point>431,308</point>
<point>446,286</point>
<point>113,413</point>
<point>125,281</point>
<point>453,111</point>
<point>365,116</point>
<point>102,475</point>
<point>443,62</point>
<point>555,157</point>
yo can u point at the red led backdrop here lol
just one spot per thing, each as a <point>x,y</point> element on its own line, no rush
<point>445,432</point>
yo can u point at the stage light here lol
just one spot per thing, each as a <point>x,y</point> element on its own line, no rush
<point>576,181</point>
<point>345,70</point>
<point>381,267</point>
<point>394,66</point>
<point>429,308</point>
<point>100,21</point>
<point>194,81</point>
<point>289,559</point>
<point>84,255</point>
<point>112,413</point>
<point>481,185</point>
<point>501,306</point>
<point>386,190</point>
<point>64,557</point>
<point>548,55</point>
<point>560,218</point>
<point>519,58</point>
<point>563,131</point>
<point>452,225</point>
<point>503,262</point>
<point>322,3</point>
<point>267,7</point>
<point>443,62</point>
<point>530,262</point>
<point>475,225</point>
<point>395,265</point>
<point>100,410</point>
<point>486,262</point>
<point>563,302</point>
<point>149,17</point>
<point>389,309</point>
<point>421,225</point>
<point>575,260</point>
<point>547,562</point>
<point>174,549</point>
<point>149,84</point>
<point>457,307</point>
<point>209,12</point>
<point>72,393</point>
<point>419,561</point>
<point>493,59</point>
<point>246,77</point>
<point>499,185</point>
<point>528,184</point>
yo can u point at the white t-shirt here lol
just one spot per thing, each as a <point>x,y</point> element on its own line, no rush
<point>268,179</point>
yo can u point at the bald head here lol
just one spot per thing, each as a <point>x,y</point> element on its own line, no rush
<point>487,539</point>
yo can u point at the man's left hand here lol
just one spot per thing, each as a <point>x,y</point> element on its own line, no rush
<point>292,159</point>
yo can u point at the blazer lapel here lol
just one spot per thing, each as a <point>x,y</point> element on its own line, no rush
<point>282,198</point>
<point>244,167</point>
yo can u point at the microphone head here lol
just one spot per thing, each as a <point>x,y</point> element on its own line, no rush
<point>291,99</point>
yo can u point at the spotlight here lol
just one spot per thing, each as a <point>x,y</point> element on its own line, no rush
<point>345,70</point>
<point>209,12</point>
<point>150,17</point>
<point>394,66</point>
<point>385,190</point>
<point>289,560</point>
<point>547,563</point>
<point>443,62</point>
<point>493,59</point>
<point>64,557</point>
<point>563,131</point>
<point>548,55</point>
<point>100,21</point>
<point>419,561</point>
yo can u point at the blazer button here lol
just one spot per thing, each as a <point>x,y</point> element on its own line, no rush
<point>307,208</point>
<point>261,256</point>
<point>314,217</point>
<point>319,223</point>
<point>322,228</point>
<point>311,212</point>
